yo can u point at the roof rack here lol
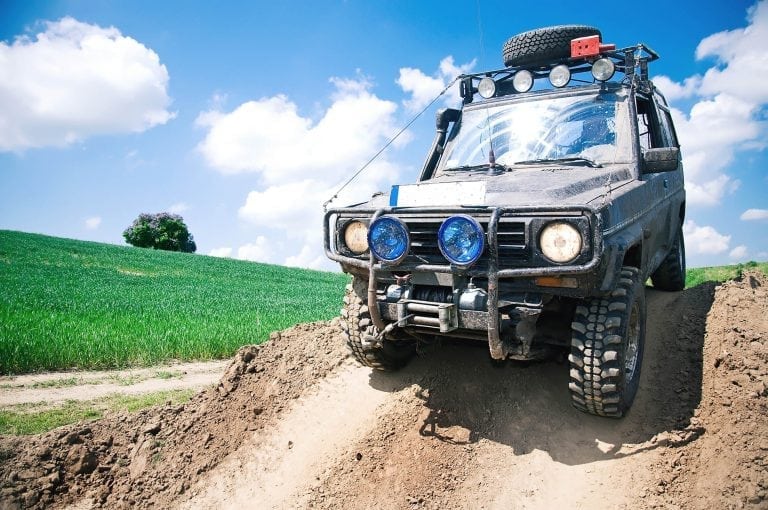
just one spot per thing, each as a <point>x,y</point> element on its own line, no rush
<point>631,61</point>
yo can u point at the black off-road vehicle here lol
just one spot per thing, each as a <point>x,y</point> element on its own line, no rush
<point>543,206</point>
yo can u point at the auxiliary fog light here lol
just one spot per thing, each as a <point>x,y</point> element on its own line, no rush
<point>486,88</point>
<point>461,240</point>
<point>560,242</point>
<point>559,76</point>
<point>523,81</point>
<point>389,240</point>
<point>603,69</point>
<point>356,237</point>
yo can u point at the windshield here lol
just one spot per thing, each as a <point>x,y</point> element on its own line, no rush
<point>592,128</point>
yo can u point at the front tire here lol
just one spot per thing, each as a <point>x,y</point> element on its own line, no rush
<point>361,335</point>
<point>607,344</point>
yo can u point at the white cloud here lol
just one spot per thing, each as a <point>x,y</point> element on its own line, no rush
<point>423,89</point>
<point>742,59</point>
<point>704,240</point>
<point>738,253</point>
<point>76,80</point>
<point>224,251</point>
<point>673,90</point>
<point>270,137</point>
<point>178,208</point>
<point>262,250</point>
<point>309,258</point>
<point>301,163</point>
<point>284,206</point>
<point>726,118</point>
<point>754,214</point>
<point>93,222</point>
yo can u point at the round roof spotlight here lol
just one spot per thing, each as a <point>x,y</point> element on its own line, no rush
<point>486,88</point>
<point>389,239</point>
<point>559,76</point>
<point>603,69</point>
<point>523,81</point>
<point>461,240</point>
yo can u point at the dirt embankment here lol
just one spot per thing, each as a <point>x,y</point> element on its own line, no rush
<point>296,424</point>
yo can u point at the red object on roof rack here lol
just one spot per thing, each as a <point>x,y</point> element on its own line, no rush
<point>589,47</point>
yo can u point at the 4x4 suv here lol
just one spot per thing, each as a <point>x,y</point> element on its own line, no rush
<point>539,214</point>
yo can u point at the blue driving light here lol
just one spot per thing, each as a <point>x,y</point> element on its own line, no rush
<point>388,239</point>
<point>461,240</point>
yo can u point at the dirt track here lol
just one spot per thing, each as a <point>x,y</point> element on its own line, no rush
<point>296,424</point>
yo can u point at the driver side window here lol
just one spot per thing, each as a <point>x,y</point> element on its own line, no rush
<point>647,128</point>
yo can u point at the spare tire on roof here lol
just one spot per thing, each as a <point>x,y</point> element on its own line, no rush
<point>542,45</point>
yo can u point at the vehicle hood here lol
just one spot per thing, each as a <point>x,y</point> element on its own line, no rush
<point>533,186</point>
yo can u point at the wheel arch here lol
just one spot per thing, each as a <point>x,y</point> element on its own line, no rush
<point>625,249</point>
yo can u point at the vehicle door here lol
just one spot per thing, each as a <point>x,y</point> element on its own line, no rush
<point>662,186</point>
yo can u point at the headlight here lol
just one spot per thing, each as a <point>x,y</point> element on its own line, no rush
<point>560,242</point>
<point>388,239</point>
<point>461,240</point>
<point>356,237</point>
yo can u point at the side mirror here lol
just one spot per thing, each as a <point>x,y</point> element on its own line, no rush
<point>445,116</point>
<point>664,159</point>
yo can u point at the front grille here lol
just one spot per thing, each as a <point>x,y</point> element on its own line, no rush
<point>511,237</point>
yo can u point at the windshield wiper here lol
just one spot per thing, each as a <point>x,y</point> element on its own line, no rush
<point>561,161</point>
<point>465,168</point>
<point>495,169</point>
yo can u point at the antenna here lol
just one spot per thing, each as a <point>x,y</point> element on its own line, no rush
<point>391,140</point>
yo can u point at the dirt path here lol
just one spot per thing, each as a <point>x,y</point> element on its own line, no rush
<point>293,424</point>
<point>56,387</point>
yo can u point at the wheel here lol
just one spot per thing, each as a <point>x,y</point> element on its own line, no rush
<point>361,335</point>
<point>543,45</point>
<point>670,275</point>
<point>607,342</point>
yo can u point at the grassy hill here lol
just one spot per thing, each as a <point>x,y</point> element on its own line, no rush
<point>76,304</point>
<point>699,275</point>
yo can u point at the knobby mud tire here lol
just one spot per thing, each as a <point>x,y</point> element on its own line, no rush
<point>359,333</point>
<point>670,275</point>
<point>543,45</point>
<point>606,332</point>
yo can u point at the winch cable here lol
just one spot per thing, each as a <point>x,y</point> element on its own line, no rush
<point>390,142</point>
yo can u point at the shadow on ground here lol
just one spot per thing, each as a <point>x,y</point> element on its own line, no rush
<point>527,406</point>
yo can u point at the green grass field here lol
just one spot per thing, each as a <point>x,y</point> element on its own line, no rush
<point>699,275</point>
<point>73,304</point>
<point>29,419</point>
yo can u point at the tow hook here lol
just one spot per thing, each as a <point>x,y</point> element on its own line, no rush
<point>374,342</point>
<point>525,329</point>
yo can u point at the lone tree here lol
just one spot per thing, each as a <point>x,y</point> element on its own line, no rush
<point>162,231</point>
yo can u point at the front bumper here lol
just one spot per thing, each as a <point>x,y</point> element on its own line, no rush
<point>449,318</point>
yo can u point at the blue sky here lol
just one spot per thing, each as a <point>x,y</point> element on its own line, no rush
<point>244,117</point>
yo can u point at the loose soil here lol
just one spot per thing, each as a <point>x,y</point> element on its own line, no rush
<point>294,423</point>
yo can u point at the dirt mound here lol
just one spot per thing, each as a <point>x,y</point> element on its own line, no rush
<point>149,458</point>
<point>292,424</point>
<point>727,467</point>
